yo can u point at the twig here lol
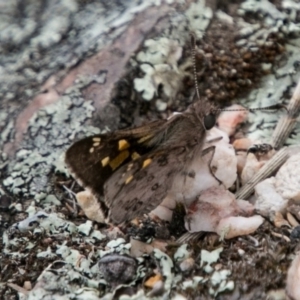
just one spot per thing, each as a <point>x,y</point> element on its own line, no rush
<point>287,123</point>
<point>270,167</point>
<point>17,288</point>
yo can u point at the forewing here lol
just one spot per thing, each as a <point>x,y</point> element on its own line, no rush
<point>93,160</point>
<point>140,186</point>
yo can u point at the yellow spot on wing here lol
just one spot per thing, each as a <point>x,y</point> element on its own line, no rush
<point>129,167</point>
<point>146,163</point>
<point>128,179</point>
<point>96,140</point>
<point>118,160</point>
<point>123,144</point>
<point>135,156</point>
<point>96,144</point>
<point>105,161</point>
<point>92,150</point>
<point>145,138</point>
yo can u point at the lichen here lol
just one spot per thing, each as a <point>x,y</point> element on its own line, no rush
<point>277,86</point>
<point>47,141</point>
<point>207,258</point>
<point>53,234</point>
<point>163,53</point>
<point>181,253</point>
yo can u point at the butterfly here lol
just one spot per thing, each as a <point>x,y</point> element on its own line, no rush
<point>134,168</point>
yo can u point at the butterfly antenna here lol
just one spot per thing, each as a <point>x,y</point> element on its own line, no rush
<point>267,108</point>
<point>194,64</point>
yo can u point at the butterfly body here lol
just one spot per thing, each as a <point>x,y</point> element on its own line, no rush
<point>134,168</point>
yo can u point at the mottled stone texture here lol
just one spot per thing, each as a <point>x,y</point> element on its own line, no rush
<point>55,58</point>
<point>71,68</point>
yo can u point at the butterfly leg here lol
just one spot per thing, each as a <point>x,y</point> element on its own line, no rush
<point>211,150</point>
<point>216,139</point>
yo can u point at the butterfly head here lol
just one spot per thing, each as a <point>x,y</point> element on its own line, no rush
<point>205,112</point>
<point>209,121</point>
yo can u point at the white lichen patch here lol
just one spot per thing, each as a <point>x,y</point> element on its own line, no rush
<point>218,279</point>
<point>208,258</point>
<point>220,282</point>
<point>85,228</point>
<point>51,199</point>
<point>48,140</point>
<point>160,74</point>
<point>199,17</point>
<point>160,56</point>
<point>65,280</point>
<point>119,245</point>
<point>280,22</point>
<point>161,51</point>
<point>71,256</point>
<point>73,265</point>
<point>31,222</point>
<point>166,265</point>
<point>277,86</point>
<point>50,224</point>
<point>46,254</point>
<point>193,283</point>
<point>181,253</point>
<point>271,92</point>
<point>264,7</point>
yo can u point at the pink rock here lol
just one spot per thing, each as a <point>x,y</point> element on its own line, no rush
<point>293,279</point>
<point>228,121</point>
<point>235,226</point>
<point>216,210</point>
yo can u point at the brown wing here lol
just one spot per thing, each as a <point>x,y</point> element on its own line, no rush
<point>140,186</point>
<point>92,160</point>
